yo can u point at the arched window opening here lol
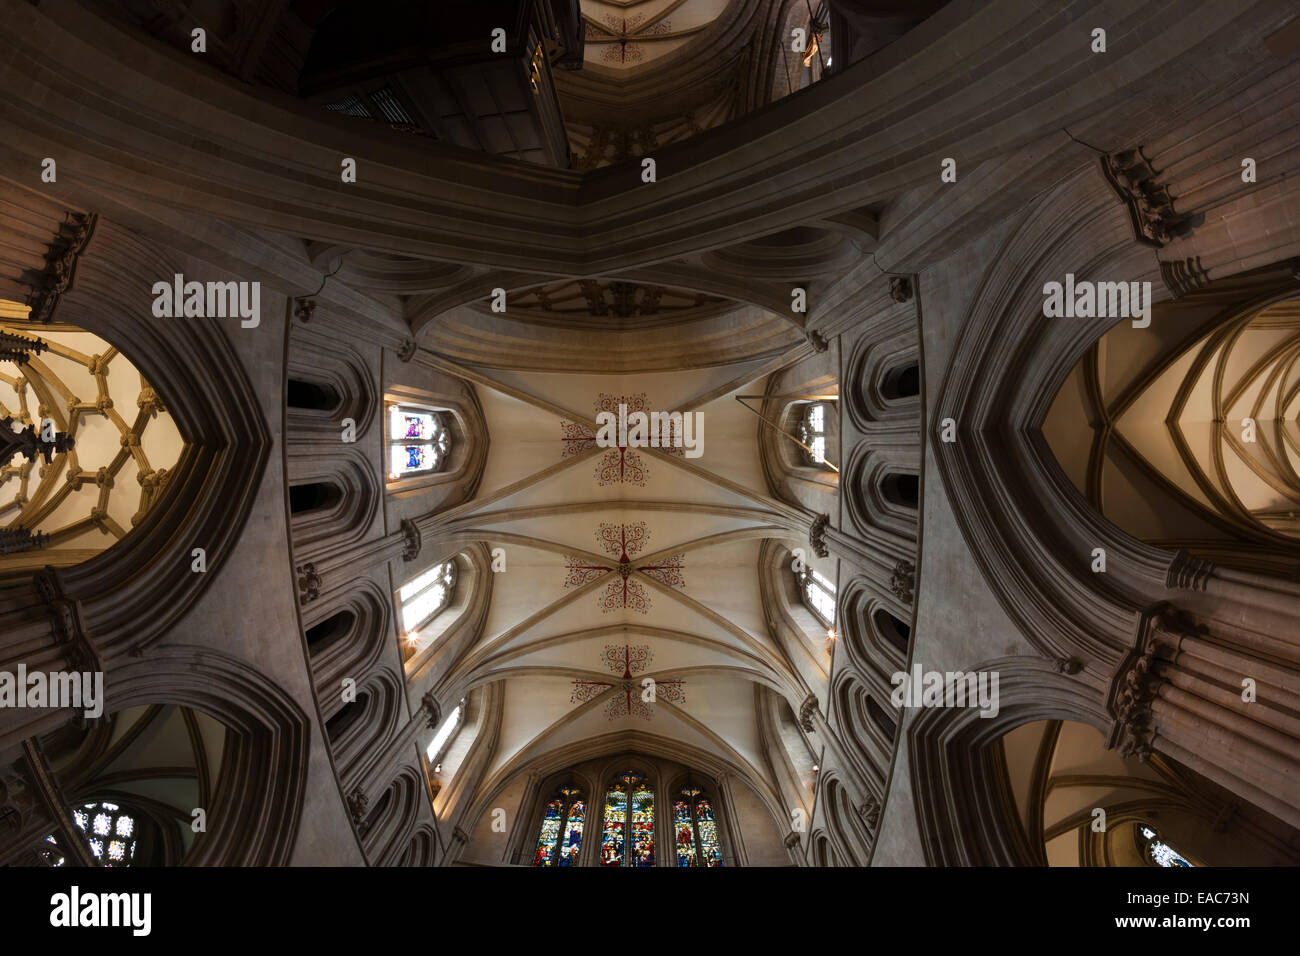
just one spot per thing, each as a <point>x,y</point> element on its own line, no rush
<point>816,428</point>
<point>316,496</point>
<point>423,599</point>
<point>561,832</point>
<point>818,594</point>
<point>110,831</point>
<point>884,723</point>
<point>438,746</point>
<point>901,489</point>
<point>346,718</point>
<point>94,445</point>
<point>324,634</point>
<point>695,829</point>
<point>629,803</point>
<point>312,395</point>
<point>902,381</point>
<point>1156,852</point>
<point>418,441</point>
<point>893,630</point>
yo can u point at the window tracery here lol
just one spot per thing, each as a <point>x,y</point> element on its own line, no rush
<point>561,832</point>
<point>425,597</point>
<point>418,441</point>
<point>695,829</point>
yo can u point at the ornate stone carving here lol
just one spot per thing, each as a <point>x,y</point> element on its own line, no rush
<point>432,709</point>
<point>1184,276</point>
<point>1150,206</point>
<point>309,583</point>
<point>792,839</point>
<point>18,540</point>
<point>806,711</point>
<point>1188,572</point>
<point>816,340</point>
<point>60,265</point>
<point>406,351</point>
<point>902,581</point>
<point>1068,665</point>
<point>303,309</point>
<point>870,812</point>
<point>1133,695</point>
<point>900,289</point>
<point>817,536</point>
<point>18,349</point>
<point>410,539</point>
<point>65,623</point>
<point>358,804</point>
<point>30,442</point>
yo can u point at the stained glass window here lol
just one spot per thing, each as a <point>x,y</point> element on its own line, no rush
<point>424,597</point>
<point>561,833</point>
<point>629,816</point>
<point>812,431</point>
<point>819,595</point>
<point>1159,852</point>
<point>110,833</point>
<point>418,441</point>
<point>695,829</point>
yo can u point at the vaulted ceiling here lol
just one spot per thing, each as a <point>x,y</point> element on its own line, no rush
<point>625,562</point>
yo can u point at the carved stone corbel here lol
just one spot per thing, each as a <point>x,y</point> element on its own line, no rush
<point>60,265</point>
<point>410,539</point>
<point>406,351</point>
<point>806,711</point>
<point>66,624</point>
<point>900,289</point>
<point>432,709</point>
<point>309,583</point>
<point>816,340</point>
<point>1188,572</point>
<point>870,813</point>
<point>817,536</point>
<point>792,839</point>
<point>902,581</point>
<point>1132,694</point>
<point>1150,206</point>
<point>358,804</point>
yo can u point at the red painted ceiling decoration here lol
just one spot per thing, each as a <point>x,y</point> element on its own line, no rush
<point>629,697</point>
<point>623,542</point>
<point>621,465</point>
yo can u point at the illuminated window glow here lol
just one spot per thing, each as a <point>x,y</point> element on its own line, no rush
<point>819,595</point>
<point>560,836</point>
<point>695,830</point>
<point>629,803</point>
<point>428,595</point>
<point>418,441</point>
<point>1159,852</point>
<point>443,736</point>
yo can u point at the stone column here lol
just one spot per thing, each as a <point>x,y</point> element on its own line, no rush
<point>1215,705</point>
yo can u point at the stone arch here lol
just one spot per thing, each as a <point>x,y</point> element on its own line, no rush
<point>874,501</point>
<point>345,633</point>
<point>326,382</point>
<point>331,501</point>
<point>264,766</point>
<point>880,389</point>
<point>964,810</point>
